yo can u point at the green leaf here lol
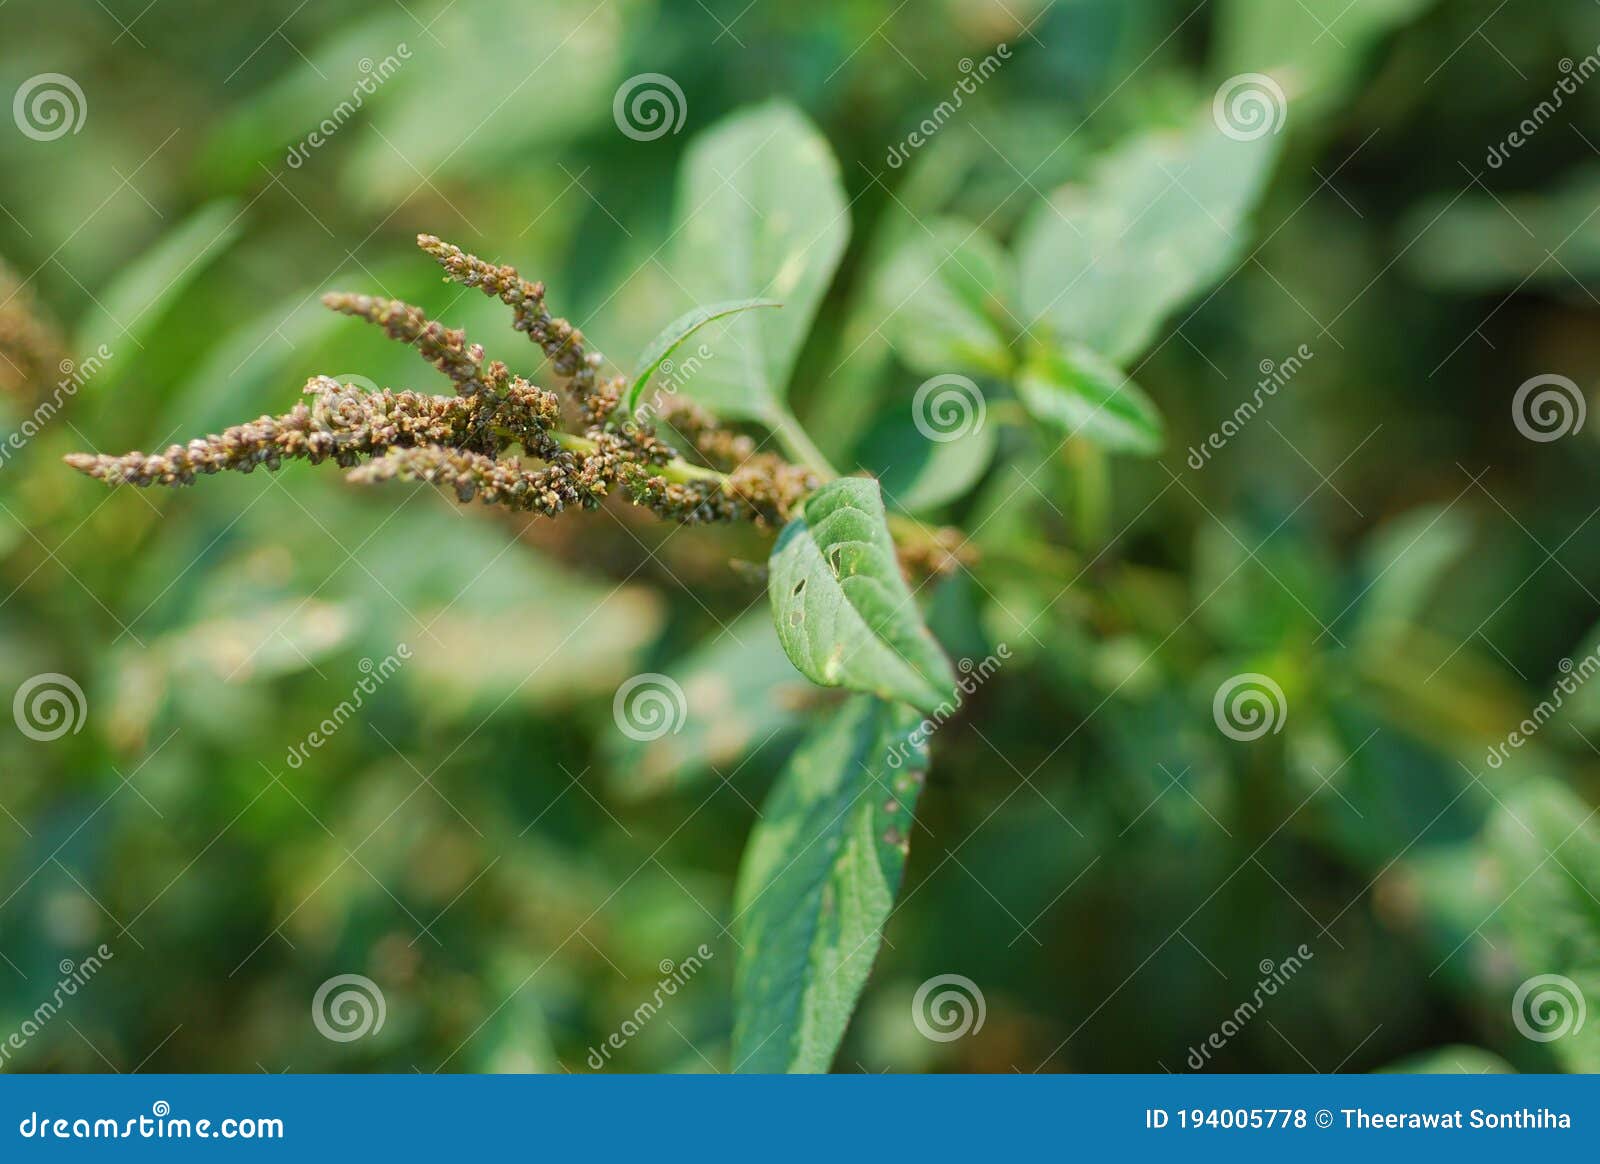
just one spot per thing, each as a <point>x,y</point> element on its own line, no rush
<point>1322,46</point>
<point>1080,394</point>
<point>1453,1060</point>
<point>1500,242</point>
<point>917,474</point>
<point>415,134</point>
<point>738,695</point>
<point>1544,845</point>
<point>761,212</point>
<point>680,329</point>
<point>1159,219</point>
<point>952,291</point>
<point>1404,563</point>
<point>840,407</point>
<point>818,881</point>
<point>844,614</point>
<point>134,302</point>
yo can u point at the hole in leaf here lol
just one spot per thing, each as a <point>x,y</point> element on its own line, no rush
<point>833,559</point>
<point>799,588</point>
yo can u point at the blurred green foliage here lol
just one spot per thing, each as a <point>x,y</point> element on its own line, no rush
<point>1090,850</point>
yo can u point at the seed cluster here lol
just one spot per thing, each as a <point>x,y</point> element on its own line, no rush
<point>460,442</point>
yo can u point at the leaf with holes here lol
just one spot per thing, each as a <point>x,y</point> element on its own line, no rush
<point>845,616</point>
<point>818,881</point>
<point>680,329</point>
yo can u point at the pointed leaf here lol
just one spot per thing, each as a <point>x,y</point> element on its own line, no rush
<point>844,614</point>
<point>738,695</point>
<point>129,308</point>
<point>1078,393</point>
<point>1322,46</point>
<point>680,329</point>
<point>818,881</point>
<point>761,212</point>
<point>952,293</point>
<point>917,474</point>
<point>1159,220</point>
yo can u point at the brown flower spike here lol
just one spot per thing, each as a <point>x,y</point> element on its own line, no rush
<point>460,442</point>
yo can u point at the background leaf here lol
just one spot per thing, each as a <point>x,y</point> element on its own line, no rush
<point>818,881</point>
<point>917,474</point>
<point>1079,394</point>
<point>740,693</point>
<point>133,304</point>
<point>953,292</point>
<point>760,213</point>
<point>1106,261</point>
<point>1320,45</point>
<point>1546,848</point>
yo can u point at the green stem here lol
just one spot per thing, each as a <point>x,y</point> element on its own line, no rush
<point>798,444</point>
<point>677,470</point>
